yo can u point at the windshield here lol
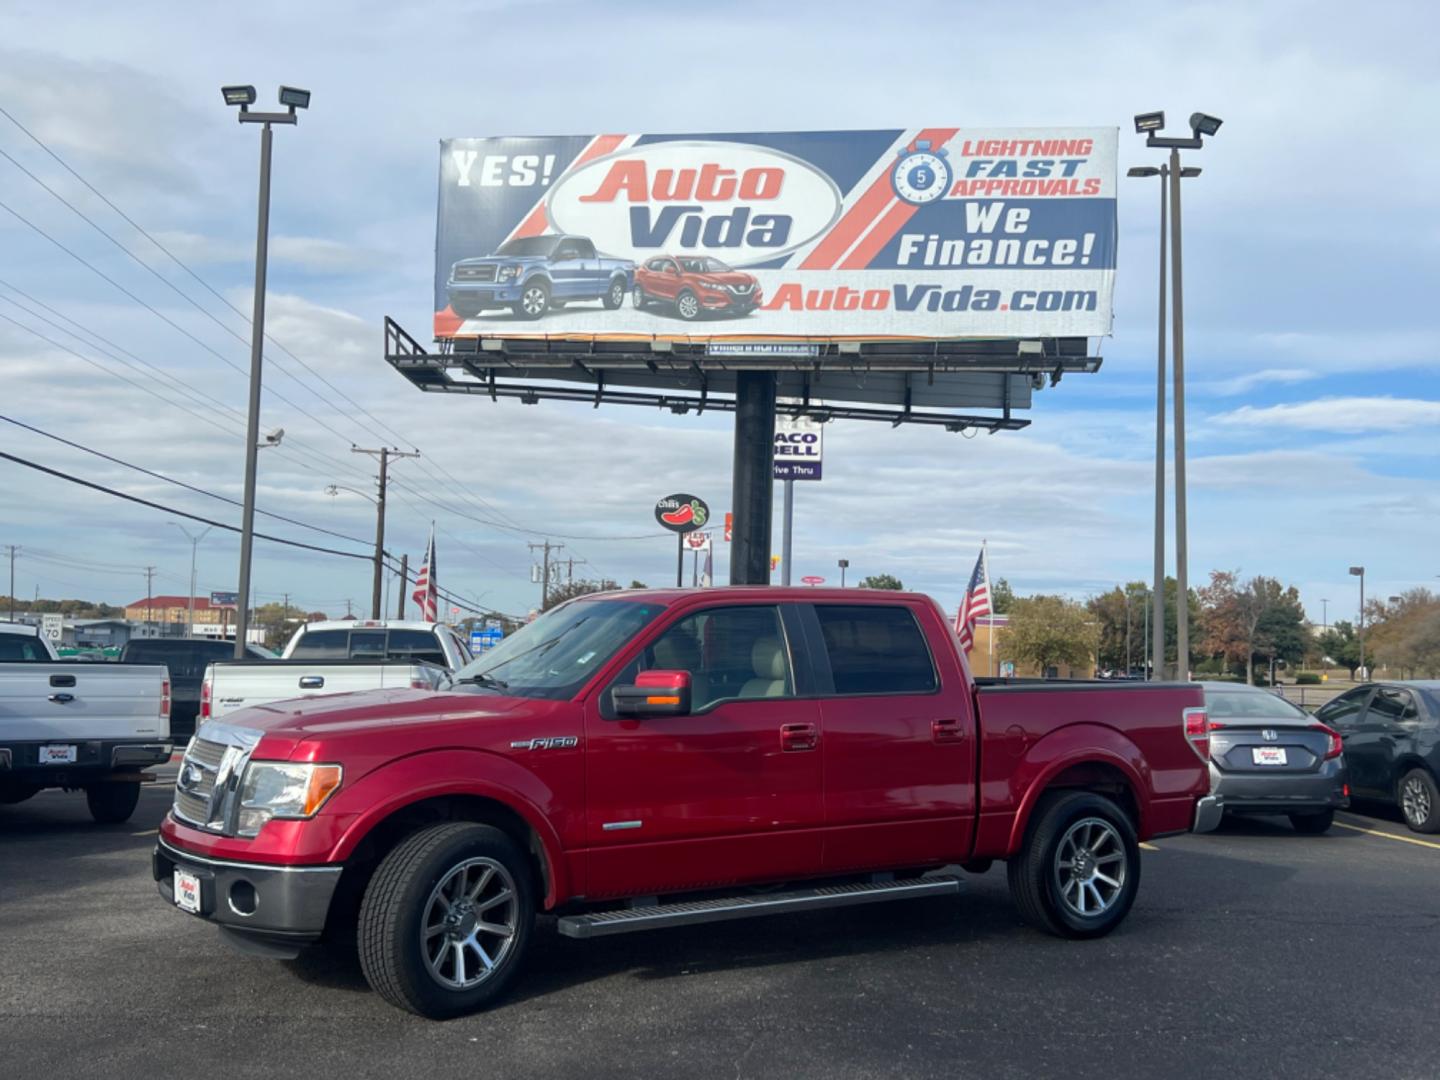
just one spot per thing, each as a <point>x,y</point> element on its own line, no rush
<point>1223,704</point>
<point>556,654</point>
<point>529,245</point>
<point>704,265</point>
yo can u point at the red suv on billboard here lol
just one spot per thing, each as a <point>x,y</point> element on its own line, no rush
<point>695,284</point>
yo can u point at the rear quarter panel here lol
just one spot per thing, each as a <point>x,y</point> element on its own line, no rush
<point>1030,735</point>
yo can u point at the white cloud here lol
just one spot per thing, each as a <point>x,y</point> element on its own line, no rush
<point>1243,384</point>
<point>1344,415</point>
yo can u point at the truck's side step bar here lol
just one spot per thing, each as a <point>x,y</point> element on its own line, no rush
<point>628,920</point>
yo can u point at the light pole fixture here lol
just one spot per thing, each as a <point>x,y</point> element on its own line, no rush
<point>244,97</point>
<point>1324,615</point>
<point>194,539</point>
<point>844,565</point>
<point>1150,125</point>
<point>1359,571</point>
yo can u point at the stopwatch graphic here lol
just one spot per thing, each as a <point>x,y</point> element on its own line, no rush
<point>921,175</point>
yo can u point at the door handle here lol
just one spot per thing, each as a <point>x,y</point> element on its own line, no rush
<point>311,682</point>
<point>797,737</point>
<point>62,699</point>
<point>947,730</point>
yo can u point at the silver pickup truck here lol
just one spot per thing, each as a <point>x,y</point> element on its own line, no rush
<point>76,726</point>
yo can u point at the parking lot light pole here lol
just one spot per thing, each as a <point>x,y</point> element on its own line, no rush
<point>1150,125</point>
<point>1359,571</point>
<point>244,97</point>
<point>844,565</point>
<point>194,539</point>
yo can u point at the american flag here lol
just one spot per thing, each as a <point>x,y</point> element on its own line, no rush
<point>426,596</point>
<point>975,604</point>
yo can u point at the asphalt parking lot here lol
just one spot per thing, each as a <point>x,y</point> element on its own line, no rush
<point>1251,952</point>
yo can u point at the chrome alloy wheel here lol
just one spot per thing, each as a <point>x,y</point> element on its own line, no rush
<point>533,300</point>
<point>469,924</point>
<point>1415,801</point>
<point>688,305</point>
<point>1090,866</point>
<point>617,293</point>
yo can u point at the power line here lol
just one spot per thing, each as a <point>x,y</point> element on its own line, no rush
<point>178,513</point>
<point>178,483</point>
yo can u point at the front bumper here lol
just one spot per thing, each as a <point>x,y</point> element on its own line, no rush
<point>1208,812</point>
<point>483,293</point>
<point>95,759</point>
<point>735,305</point>
<point>277,907</point>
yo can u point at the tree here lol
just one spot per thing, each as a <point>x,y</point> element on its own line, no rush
<point>1047,631</point>
<point>570,590</point>
<point>1120,615</point>
<point>1341,645</point>
<point>1260,617</point>
<point>882,581</point>
<point>634,584</point>
<point>1406,633</point>
<point>1002,597</point>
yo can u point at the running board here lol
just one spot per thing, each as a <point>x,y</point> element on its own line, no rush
<point>629,920</point>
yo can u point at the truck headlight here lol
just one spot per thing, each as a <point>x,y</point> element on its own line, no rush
<point>282,789</point>
<point>508,273</point>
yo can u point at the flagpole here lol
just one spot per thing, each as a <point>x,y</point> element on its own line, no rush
<point>990,599</point>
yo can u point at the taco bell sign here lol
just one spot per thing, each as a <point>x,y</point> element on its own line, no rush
<point>799,448</point>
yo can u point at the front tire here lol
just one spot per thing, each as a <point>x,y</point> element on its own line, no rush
<point>111,804</point>
<point>1313,824</point>
<point>615,295</point>
<point>1419,801</point>
<point>534,300</point>
<point>1079,870</point>
<point>447,919</point>
<point>687,306</point>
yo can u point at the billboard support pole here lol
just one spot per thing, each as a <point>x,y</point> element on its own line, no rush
<point>789,525</point>
<point>753,481</point>
<point>679,560</point>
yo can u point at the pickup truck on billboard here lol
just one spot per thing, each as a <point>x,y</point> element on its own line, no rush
<point>658,758</point>
<point>907,233</point>
<point>534,275</point>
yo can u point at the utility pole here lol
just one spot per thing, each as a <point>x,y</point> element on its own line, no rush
<point>14,548</point>
<point>546,548</point>
<point>384,453</point>
<point>285,617</point>
<point>349,608</point>
<point>149,581</point>
<point>404,584</point>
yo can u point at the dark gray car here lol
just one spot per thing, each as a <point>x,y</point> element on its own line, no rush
<point>1270,757</point>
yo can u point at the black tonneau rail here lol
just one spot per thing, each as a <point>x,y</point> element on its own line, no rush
<point>986,683</point>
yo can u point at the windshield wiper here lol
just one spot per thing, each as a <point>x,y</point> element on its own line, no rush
<point>483,679</point>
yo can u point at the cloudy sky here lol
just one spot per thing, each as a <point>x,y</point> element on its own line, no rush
<point>1311,262</point>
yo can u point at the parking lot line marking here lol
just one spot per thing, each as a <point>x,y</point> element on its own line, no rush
<point>1390,836</point>
<point>147,832</point>
<point>1148,846</point>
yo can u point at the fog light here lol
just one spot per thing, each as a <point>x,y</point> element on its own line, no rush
<point>244,900</point>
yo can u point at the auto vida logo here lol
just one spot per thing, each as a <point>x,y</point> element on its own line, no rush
<point>742,203</point>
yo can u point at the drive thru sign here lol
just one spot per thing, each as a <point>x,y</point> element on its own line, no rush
<point>799,447</point>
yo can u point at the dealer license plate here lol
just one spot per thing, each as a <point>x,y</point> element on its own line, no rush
<point>1268,755</point>
<point>187,892</point>
<point>57,754</point>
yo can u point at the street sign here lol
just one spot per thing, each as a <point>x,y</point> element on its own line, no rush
<point>682,513</point>
<point>53,627</point>
<point>483,640</point>
<point>811,579</point>
<point>799,447</point>
<point>230,600</point>
<point>697,541</point>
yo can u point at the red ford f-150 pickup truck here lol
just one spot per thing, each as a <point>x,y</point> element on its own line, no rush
<point>647,759</point>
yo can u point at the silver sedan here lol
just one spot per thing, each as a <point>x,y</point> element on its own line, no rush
<point>1268,756</point>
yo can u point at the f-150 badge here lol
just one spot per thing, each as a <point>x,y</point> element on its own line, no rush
<point>921,175</point>
<point>546,742</point>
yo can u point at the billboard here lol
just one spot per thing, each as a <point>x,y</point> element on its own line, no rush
<point>922,233</point>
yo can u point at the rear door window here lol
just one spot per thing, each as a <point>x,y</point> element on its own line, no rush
<point>423,645</point>
<point>1392,708</point>
<point>323,645</point>
<point>20,648</point>
<point>876,650</point>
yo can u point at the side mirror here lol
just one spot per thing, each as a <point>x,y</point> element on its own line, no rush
<point>655,693</point>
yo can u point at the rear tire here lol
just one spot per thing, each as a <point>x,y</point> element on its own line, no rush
<point>1313,824</point>
<point>447,919</point>
<point>638,297</point>
<point>1419,801</point>
<point>1079,869</point>
<point>111,804</point>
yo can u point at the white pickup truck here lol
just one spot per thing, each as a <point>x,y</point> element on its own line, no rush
<point>336,658</point>
<point>77,726</point>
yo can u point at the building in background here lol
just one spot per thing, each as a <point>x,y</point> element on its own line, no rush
<point>170,615</point>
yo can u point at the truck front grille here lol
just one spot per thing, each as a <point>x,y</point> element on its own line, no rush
<point>475,273</point>
<point>210,773</point>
